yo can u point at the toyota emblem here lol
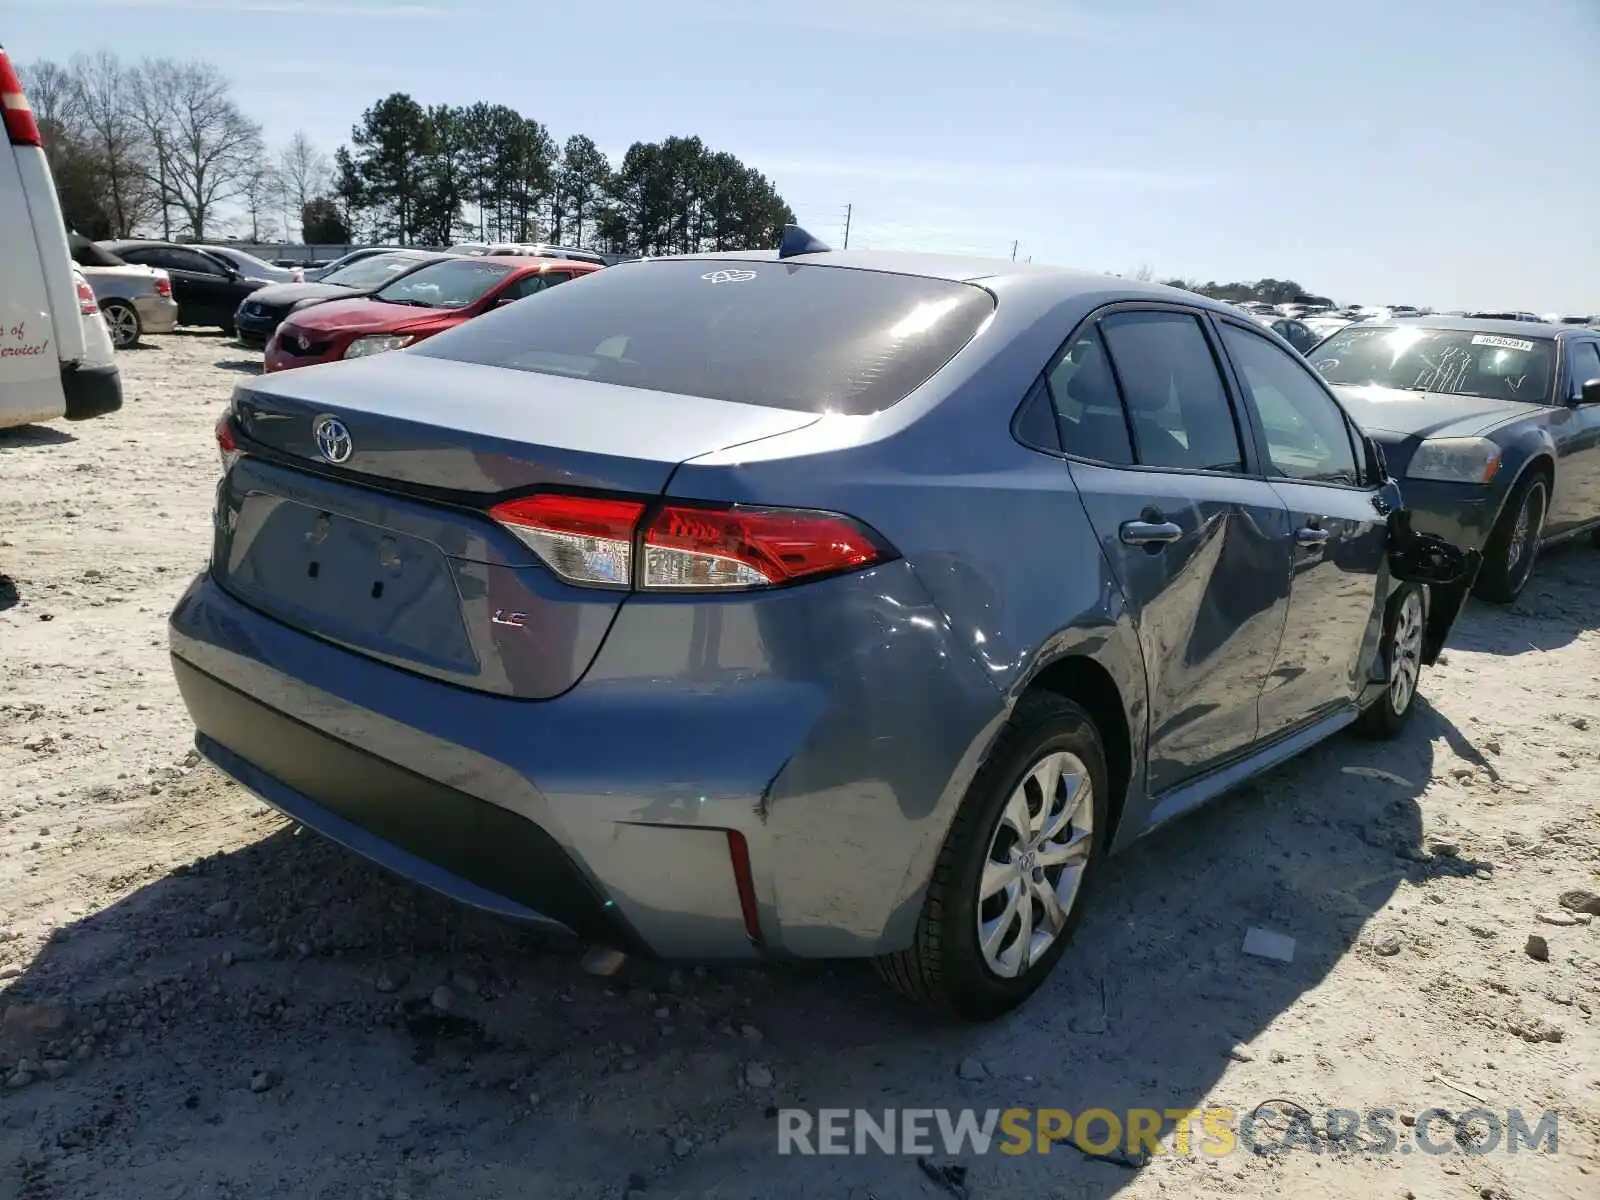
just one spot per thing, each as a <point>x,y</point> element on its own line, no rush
<point>333,439</point>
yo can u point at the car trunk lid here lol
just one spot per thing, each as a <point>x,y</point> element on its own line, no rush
<point>390,552</point>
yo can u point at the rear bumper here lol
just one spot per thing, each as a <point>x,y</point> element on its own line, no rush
<point>608,809</point>
<point>415,826</point>
<point>91,391</point>
<point>158,314</point>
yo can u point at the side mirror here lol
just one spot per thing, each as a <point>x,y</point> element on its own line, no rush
<point>1590,392</point>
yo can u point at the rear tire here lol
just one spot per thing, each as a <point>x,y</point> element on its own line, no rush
<point>1513,548</point>
<point>1404,627</point>
<point>1003,902</point>
<point>122,320</point>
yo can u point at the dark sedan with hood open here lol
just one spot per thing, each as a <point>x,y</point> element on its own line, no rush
<point>262,312</point>
<point>1492,427</point>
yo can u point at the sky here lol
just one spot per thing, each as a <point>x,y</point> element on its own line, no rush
<point>1431,152</point>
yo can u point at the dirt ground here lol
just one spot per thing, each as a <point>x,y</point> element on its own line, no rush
<point>196,1001</point>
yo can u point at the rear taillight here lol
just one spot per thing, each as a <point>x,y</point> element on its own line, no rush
<point>21,128</point>
<point>226,445</point>
<point>599,542</point>
<point>164,285</point>
<point>698,548</point>
<point>583,539</point>
<point>87,304</point>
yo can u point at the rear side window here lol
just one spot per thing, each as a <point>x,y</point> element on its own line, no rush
<point>1585,358</point>
<point>1177,406</point>
<point>193,260</point>
<point>781,334</point>
<point>1088,410</point>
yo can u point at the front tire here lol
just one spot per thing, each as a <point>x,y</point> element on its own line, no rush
<point>1007,889</point>
<point>1404,624</point>
<point>122,320</point>
<point>1513,547</point>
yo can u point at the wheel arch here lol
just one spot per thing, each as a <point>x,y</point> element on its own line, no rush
<point>1084,681</point>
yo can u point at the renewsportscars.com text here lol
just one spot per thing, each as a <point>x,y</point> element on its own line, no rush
<point>1265,1129</point>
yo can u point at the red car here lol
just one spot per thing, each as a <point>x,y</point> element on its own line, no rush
<point>418,305</point>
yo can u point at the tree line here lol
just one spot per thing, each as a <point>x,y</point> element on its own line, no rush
<point>162,147</point>
<point>1269,291</point>
<point>438,174</point>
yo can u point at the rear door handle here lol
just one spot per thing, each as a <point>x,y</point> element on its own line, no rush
<point>1150,533</point>
<point>1310,535</point>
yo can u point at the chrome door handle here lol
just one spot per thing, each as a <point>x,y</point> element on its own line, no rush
<point>1310,535</point>
<point>1150,533</point>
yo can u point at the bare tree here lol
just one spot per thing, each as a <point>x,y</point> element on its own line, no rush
<point>103,92</point>
<point>262,192</point>
<point>305,173</point>
<point>206,149</point>
<point>53,96</point>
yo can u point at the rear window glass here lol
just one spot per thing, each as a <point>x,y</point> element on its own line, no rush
<point>785,335</point>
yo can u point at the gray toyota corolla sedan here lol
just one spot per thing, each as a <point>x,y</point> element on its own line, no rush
<point>799,603</point>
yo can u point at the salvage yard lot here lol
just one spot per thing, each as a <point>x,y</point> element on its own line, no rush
<point>204,1004</point>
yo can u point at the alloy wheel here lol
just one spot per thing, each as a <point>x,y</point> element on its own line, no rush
<point>1034,868</point>
<point>1405,665</point>
<point>1523,544</point>
<point>123,323</point>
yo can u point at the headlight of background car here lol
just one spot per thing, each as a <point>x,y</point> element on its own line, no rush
<point>1455,460</point>
<point>377,344</point>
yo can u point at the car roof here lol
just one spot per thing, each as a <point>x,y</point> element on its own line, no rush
<point>1064,282</point>
<point>529,265</point>
<point>1523,329</point>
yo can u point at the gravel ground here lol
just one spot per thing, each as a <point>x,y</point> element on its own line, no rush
<point>196,1000</point>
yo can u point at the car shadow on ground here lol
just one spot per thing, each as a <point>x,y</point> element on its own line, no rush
<point>1553,610</point>
<point>34,435</point>
<point>245,366</point>
<point>10,595</point>
<point>282,998</point>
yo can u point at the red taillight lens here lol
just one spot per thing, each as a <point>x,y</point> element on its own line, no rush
<point>226,445</point>
<point>686,548</point>
<point>87,304</point>
<point>21,128</point>
<point>700,549</point>
<point>164,285</point>
<point>584,539</point>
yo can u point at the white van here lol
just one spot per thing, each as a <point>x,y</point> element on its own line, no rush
<point>44,373</point>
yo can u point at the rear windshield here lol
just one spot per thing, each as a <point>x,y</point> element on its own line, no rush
<point>1457,362</point>
<point>371,272</point>
<point>785,335</point>
<point>451,283</point>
